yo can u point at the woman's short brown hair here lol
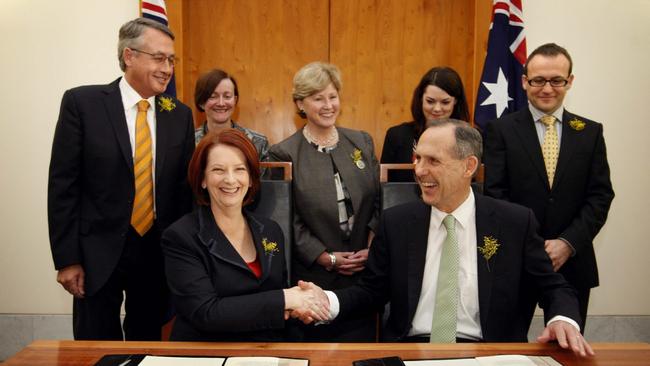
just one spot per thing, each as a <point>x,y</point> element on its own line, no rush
<point>207,83</point>
<point>230,137</point>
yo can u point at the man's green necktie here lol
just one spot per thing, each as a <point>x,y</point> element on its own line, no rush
<point>443,326</point>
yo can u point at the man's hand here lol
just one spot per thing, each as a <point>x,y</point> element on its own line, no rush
<point>306,302</point>
<point>559,252</point>
<point>72,280</point>
<point>567,336</point>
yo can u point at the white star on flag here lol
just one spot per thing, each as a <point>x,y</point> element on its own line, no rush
<point>498,93</point>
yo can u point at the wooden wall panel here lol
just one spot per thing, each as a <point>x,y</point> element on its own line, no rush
<point>384,47</point>
<point>263,44</point>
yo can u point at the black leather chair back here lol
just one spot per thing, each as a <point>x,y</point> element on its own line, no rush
<point>275,202</point>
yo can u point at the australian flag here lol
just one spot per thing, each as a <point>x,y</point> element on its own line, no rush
<point>156,10</point>
<point>500,91</point>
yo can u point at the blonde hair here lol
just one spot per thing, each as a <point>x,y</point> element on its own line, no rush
<point>315,77</point>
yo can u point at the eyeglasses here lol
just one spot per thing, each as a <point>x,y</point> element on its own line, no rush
<point>159,58</point>
<point>555,82</point>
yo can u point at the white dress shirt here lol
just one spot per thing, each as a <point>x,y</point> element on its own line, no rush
<point>468,321</point>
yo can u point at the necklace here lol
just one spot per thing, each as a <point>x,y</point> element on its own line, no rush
<point>331,140</point>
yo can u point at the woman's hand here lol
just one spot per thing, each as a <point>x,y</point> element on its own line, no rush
<point>353,263</point>
<point>346,263</point>
<point>307,301</point>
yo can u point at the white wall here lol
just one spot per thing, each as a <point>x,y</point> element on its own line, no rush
<point>47,47</point>
<point>50,46</point>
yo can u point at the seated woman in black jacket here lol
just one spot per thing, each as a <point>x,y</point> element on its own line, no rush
<point>226,267</point>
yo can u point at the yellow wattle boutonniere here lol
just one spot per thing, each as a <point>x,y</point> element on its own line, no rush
<point>270,247</point>
<point>577,124</point>
<point>357,158</point>
<point>489,248</point>
<point>166,104</point>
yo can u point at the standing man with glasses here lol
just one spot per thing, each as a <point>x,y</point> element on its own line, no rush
<point>117,179</point>
<point>555,163</point>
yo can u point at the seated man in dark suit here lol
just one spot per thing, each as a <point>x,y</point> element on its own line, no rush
<point>456,274</point>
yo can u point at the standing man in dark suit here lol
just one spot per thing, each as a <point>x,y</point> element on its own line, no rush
<point>554,162</point>
<point>117,179</point>
<point>457,271</point>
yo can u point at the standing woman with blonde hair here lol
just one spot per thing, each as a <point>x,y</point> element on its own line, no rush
<point>335,195</point>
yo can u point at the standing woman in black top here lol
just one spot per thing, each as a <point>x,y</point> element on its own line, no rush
<point>439,94</point>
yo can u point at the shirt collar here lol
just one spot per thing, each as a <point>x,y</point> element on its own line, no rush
<point>462,213</point>
<point>130,97</point>
<point>537,114</point>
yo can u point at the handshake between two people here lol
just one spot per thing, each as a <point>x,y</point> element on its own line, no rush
<point>306,302</point>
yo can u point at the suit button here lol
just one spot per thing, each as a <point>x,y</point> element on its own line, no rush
<point>551,200</point>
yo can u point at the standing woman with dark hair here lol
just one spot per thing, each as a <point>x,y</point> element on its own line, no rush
<point>216,93</point>
<point>335,196</point>
<point>439,94</point>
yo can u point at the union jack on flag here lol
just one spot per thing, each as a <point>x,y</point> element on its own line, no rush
<point>156,10</point>
<point>500,90</point>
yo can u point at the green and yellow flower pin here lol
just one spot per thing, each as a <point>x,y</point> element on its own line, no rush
<point>577,124</point>
<point>270,247</point>
<point>489,248</point>
<point>357,158</point>
<point>166,104</point>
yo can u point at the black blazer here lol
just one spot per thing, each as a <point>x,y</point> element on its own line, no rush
<point>398,149</point>
<point>316,217</point>
<point>91,183</point>
<point>396,266</point>
<point>216,295</point>
<point>576,207</point>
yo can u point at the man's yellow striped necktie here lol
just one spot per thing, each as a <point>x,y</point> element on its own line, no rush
<point>142,216</point>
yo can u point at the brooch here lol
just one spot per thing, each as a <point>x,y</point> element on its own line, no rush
<point>357,159</point>
<point>489,248</point>
<point>577,124</point>
<point>166,104</point>
<point>270,247</point>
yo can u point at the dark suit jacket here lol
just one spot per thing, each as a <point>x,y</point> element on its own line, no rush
<point>91,182</point>
<point>316,217</point>
<point>396,266</point>
<point>216,295</point>
<point>398,149</point>
<point>576,207</point>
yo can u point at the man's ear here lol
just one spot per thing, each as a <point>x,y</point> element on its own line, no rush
<point>471,166</point>
<point>127,56</point>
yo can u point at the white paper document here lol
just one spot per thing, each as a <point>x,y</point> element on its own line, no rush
<point>220,361</point>
<point>500,360</point>
<point>181,361</point>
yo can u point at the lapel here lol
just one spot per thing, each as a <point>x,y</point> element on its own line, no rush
<point>163,120</point>
<point>350,173</point>
<point>257,230</point>
<point>486,225</point>
<point>218,245</point>
<point>525,129</point>
<point>416,240</point>
<point>117,118</point>
<point>567,146</point>
<point>313,175</point>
